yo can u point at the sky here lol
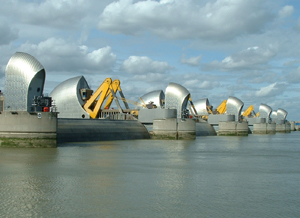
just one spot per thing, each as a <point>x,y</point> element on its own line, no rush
<point>248,49</point>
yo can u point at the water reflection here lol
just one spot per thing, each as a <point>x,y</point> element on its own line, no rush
<point>24,180</point>
<point>207,177</point>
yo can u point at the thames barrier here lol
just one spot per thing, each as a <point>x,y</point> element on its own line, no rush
<point>73,112</point>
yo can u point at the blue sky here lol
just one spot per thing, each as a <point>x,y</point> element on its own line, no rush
<point>215,48</point>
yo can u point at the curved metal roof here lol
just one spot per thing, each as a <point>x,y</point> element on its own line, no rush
<point>265,111</point>
<point>281,114</point>
<point>24,79</point>
<point>201,106</point>
<point>67,98</point>
<point>273,115</point>
<point>234,106</point>
<point>157,97</point>
<point>177,97</point>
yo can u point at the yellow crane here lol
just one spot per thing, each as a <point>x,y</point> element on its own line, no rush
<point>134,102</point>
<point>221,109</point>
<point>106,91</point>
<point>249,112</point>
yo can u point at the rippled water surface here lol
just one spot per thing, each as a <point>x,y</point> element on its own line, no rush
<point>254,176</point>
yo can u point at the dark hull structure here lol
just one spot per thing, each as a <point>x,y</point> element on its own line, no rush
<point>83,130</point>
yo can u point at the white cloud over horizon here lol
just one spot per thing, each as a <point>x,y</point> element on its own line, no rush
<point>58,54</point>
<point>192,61</point>
<point>209,21</point>
<point>250,58</point>
<point>144,65</point>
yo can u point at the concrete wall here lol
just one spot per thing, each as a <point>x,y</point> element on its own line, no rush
<point>271,128</point>
<point>22,129</point>
<point>253,120</point>
<point>174,129</point>
<point>148,115</point>
<point>22,121</point>
<point>186,129</point>
<point>283,128</point>
<point>83,130</point>
<point>233,128</point>
<point>260,128</point>
<point>214,119</point>
<point>292,125</point>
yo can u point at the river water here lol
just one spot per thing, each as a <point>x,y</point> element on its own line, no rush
<point>215,176</point>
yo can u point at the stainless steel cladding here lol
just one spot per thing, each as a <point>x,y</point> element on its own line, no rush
<point>201,106</point>
<point>157,97</point>
<point>273,115</point>
<point>24,79</point>
<point>177,97</point>
<point>265,112</point>
<point>234,106</point>
<point>281,114</point>
<point>68,100</point>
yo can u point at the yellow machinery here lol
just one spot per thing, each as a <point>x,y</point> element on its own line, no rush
<point>106,91</point>
<point>194,111</point>
<point>221,109</point>
<point>134,102</point>
<point>249,112</point>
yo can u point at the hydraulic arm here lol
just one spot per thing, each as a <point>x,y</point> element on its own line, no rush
<point>221,109</point>
<point>248,111</point>
<point>106,91</point>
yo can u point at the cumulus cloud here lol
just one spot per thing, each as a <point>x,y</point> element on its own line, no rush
<point>59,55</point>
<point>177,19</point>
<point>271,90</point>
<point>196,84</point>
<point>56,13</point>
<point>192,61</point>
<point>251,58</point>
<point>7,34</point>
<point>286,11</point>
<point>144,65</point>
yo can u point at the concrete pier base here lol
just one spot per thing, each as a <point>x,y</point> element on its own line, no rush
<point>260,128</point>
<point>242,129</point>
<point>233,129</point>
<point>173,129</point>
<point>265,128</point>
<point>292,125</point>
<point>271,128</point>
<point>283,128</point>
<point>23,129</point>
<point>288,127</point>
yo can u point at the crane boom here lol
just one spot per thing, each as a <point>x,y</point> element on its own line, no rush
<point>93,106</point>
<point>221,109</point>
<point>248,111</point>
<point>106,91</point>
<point>125,100</point>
